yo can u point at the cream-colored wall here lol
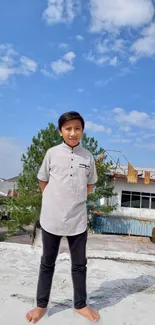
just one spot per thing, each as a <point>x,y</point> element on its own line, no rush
<point>120,186</point>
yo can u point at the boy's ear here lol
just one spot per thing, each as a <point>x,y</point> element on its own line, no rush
<point>60,133</point>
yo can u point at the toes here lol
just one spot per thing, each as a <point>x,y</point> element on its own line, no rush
<point>96,316</point>
<point>28,317</point>
<point>34,320</point>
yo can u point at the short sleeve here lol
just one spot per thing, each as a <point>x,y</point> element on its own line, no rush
<point>92,179</point>
<point>44,171</point>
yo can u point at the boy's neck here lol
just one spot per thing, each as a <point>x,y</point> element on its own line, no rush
<point>71,146</point>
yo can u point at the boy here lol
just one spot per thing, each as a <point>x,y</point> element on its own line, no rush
<point>66,177</point>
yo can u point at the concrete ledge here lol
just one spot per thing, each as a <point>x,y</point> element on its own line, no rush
<point>109,255</point>
<point>91,254</point>
<point>126,256</point>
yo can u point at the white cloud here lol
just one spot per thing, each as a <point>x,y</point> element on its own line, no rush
<point>114,61</point>
<point>107,51</point>
<point>113,49</point>
<point>47,73</point>
<point>96,127</point>
<point>103,47</point>
<point>11,63</point>
<point>5,73</point>
<point>112,15</point>
<point>61,11</point>
<point>103,83</point>
<point>134,118</point>
<point>149,145</point>
<point>121,140</point>
<point>147,136</point>
<point>69,56</point>
<point>27,65</point>
<point>63,46</point>
<point>80,90</point>
<point>63,65</point>
<point>145,45</point>
<point>10,157</point>
<point>111,44</point>
<point>79,38</point>
<point>133,59</point>
<point>115,18</point>
<point>48,111</point>
<point>52,112</point>
<point>125,129</point>
<point>99,60</point>
<point>124,71</point>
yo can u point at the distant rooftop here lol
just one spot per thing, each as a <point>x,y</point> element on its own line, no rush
<point>12,179</point>
<point>7,185</point>
<point>122,170</point>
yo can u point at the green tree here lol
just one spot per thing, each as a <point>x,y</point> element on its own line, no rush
<point>26,207</point>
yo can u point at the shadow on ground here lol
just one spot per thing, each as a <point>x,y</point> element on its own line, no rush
<point>109,293</point>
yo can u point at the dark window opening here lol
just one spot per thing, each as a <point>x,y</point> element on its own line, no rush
<point>145,202</point>
<point>135,201</point>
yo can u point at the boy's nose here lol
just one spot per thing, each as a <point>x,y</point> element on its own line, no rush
<point>72,133</point>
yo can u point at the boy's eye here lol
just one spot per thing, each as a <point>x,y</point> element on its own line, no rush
<point>69,129</point>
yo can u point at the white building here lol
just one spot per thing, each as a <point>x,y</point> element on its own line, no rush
<point>135,204</point>
<point>7,186</point>
<point>134,200</point>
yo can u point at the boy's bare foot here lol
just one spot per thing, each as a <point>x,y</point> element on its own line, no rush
<point>34,315</point>
<point>88,313</point>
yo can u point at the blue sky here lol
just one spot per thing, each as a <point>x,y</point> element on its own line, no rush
<point>96,58</point>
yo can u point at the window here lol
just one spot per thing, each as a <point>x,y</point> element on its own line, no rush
<point>145,202</point>
<point>135,200</point>
<point>125,199</point>
<point>138,200</point>
<point>153,203</point>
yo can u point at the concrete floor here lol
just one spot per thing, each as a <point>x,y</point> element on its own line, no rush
<point>123,293</point>
<point>118,243</point>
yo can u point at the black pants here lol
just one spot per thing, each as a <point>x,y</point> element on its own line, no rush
<point>77,246</point>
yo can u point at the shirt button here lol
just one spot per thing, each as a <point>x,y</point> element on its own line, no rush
<point>71,175</point>
<point>72,159</point>
<point>71,166</point>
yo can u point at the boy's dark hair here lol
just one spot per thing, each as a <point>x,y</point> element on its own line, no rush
<point>70,116</point>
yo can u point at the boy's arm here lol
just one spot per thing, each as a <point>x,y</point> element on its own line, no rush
<point>90,188</point>
<point>42,185</point>
<point>44,172</point>
<point>92,179</point>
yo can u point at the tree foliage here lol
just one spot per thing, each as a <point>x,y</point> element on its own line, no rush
<point>103,187</point>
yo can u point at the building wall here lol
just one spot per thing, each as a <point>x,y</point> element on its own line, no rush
<point>5,186</point>
<point>119,186</point>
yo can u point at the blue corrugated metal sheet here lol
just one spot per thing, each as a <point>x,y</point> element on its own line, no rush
<point>124,226</point>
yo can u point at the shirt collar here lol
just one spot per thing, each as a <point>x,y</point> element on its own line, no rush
<point>66,146</point>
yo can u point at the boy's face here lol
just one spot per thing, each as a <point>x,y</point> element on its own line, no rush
<point>72,132</point>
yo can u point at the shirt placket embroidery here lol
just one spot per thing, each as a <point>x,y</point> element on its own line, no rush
<point>72,172</point>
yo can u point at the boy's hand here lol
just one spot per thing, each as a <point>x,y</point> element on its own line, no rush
<point>42,185</point>
<point>90,188</point>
